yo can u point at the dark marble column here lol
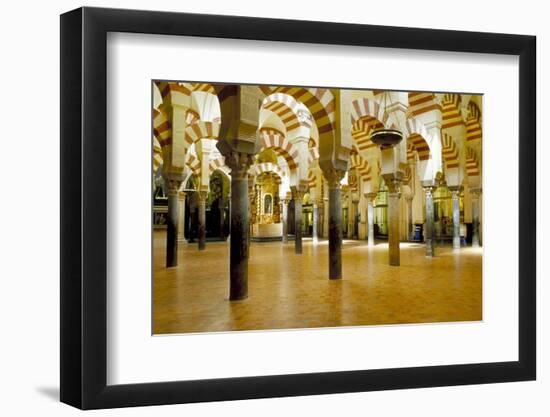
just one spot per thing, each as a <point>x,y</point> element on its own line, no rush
<point>410,226</point>
<point>315,222</point>
<point>284,220</point>
<point>321,219</point>
<point>394,196</point>
<point>335,230</point>
<point>429,226</point>
<point>298,196</point>
<point>238,258</point>
<point>355,233</point>
<point>370,217</point>
<point>455,196</point>
<point>181,217</point>
<point>202,220</point>
<point>222,217</point>
<point>475,193</point>
<point>172,187</point>
<point>333,177</point>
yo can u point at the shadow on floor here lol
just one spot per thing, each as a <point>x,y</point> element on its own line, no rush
<point>50,392</point>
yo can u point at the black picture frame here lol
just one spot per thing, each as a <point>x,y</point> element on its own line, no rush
<point>84,207</point>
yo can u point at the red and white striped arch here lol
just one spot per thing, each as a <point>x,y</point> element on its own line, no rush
<point>319,101</point>
<point>361,166</point>
<point>162,128</point>
<point>420,103</point>
<point>449,151</point>
<point>473,122</point>
<point>193,163</point>
<point>311,179</point>
<point>157,155</point>
<point>417,136</point>
<point>275,140</point>
<point>218,164</point>
<point>472,166</point>
<point>286,107</point>
<point>259,169</point>
<point>201,130</point>
<point>366,115</point>
<point>450,111</point>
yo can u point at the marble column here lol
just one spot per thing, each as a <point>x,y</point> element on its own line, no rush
<point>298,197</point>
<point>455,198</point>
<point>334,177</point>
<point>394,194</point>
<point>355,233</point>
<point>315,231</point>
<point>370,217</point>
<point>202,220</point>
<point>321,221</point>
<point>192,223</point>
<point>285,220</point>
<point>239,164</point>
<point>475,193</point>
<point>325,217</point>
<point>429,225</point>
<point>222,216</point>
<point>181,217</point>
<point>252,210</point>
<point>410,226</point>
<point>172,223</point>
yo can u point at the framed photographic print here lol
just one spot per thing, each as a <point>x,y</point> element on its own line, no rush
<point>256,208</point>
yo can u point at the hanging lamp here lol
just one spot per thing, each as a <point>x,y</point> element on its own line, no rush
<point>383,137</point>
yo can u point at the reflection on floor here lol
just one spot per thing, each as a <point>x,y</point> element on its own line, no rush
<point>293,291</point>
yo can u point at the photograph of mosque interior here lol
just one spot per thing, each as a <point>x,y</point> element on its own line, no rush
<point>284,207</point>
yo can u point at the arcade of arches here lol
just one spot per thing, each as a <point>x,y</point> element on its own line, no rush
<point>291,207</point>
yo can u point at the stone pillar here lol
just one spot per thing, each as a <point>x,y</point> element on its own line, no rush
<point>285,220</point>
<point>172,223</point>
<point>429,226</point>
<point>334,176</point>
<point>455,196</point>
<point>349,231</point>
<point>325,217</point>
<point>298,197</point>
<point>192,223</point>
<point>315,221</point>
<point>252,208</point>
<point>475,193</point>
<point>370,217</point>
<point>321,220</point>
<point>222,216</point>
<point>202,220</point>
<point>181,217</point>
<point>394,194</point>
<point>410,226</point>
<point>239,164</point>
<point>355,233</point>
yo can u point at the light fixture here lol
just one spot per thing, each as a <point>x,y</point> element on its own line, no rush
<point>383,137</point>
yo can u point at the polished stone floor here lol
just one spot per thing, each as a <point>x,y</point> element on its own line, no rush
<point>293,291</point>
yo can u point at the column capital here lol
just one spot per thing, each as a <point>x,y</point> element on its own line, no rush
<point>202,195</point>
<point>393,181</point>
<point>239,163</point>
<point>298,193</point>
<point>370,196</point>
<point>334,176</point>
<point>429,189</point>
<point>172,186</point>
<point>181,195</point>
<point>455,189</point>
<point>475,192</point>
